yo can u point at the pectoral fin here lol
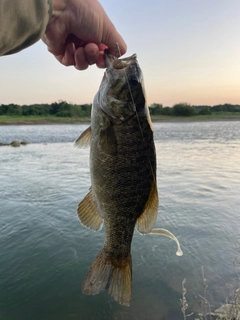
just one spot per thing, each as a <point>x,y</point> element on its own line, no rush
<point>84,139</point>
<point>88,213</point>
<point>147,219</point>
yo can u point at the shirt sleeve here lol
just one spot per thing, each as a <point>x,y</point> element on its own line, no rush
<point>22,23</point>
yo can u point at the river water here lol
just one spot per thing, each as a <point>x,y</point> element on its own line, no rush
<point>45,252</point>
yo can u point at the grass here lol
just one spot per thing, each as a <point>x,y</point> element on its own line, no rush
<point>40,120</point>
<point>4,120</point>
<point>228,311</point>
<point>213,117</point>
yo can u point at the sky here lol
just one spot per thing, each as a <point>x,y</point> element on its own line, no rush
<point>188,50</point>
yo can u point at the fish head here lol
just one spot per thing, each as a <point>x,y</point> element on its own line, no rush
<point>121,93</point>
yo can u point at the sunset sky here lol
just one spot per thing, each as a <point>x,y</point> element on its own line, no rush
<point>189,51</point>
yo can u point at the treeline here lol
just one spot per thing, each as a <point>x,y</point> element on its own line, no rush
<point>64,109</point>
<point>187,110</point>
<point>59,109</point>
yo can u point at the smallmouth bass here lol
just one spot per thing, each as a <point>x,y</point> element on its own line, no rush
<point>123,175</point>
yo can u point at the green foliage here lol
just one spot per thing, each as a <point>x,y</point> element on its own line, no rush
<point>63,109</point>
<point>35,110</point>
<point>3,109</point>
<point>10,110</point>
<point>226,108</point>
<point>86,109</point>
<point>167,111</point>
<point>158,109</point>
<point>205,111</point>
<point>183,110</point>
<point>155,108</point>
<point>59,109</point>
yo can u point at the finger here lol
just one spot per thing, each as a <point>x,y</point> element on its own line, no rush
<point>116,44</point>
<point>113,40</point>
<point>69,58</point>
<point>110,36</point>
<point>101,60</point>
<point>102,47</point>
<point>71,38</point>
<point>91,53</point>
<point>101,63</point>
<point>81,62</point>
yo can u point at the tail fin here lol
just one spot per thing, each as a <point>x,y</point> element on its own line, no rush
<point>112,275</point>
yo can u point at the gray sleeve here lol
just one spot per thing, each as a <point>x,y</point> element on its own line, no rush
<point>22,23</point>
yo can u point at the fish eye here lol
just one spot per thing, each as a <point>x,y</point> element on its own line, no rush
<point>133,80</point>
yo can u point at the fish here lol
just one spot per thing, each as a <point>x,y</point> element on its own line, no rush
<point>123,193</point>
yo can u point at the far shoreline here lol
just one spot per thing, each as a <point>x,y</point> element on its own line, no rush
<point>18,121</point>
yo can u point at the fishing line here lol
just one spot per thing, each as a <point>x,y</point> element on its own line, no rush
<point>130,91</point>
<point>135,109</point>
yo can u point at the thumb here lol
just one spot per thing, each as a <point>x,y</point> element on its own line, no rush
<point>115,43</point>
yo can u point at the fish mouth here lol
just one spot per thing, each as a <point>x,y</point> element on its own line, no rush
<point>119,64</point>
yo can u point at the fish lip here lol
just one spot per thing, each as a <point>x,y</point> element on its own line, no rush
<point>115,63</point>
<point>126,67</point>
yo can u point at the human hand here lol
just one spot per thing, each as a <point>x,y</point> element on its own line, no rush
<point>78,33</point>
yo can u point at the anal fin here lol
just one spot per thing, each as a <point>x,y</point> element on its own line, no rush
<point>148,217</point>
<point>88,213</point>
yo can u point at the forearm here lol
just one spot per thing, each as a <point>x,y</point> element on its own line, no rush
<point>22,23</point>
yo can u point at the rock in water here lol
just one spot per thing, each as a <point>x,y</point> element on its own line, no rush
<point>15,143</point>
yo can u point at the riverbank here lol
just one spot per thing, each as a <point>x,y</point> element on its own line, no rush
<point>34,120</point>
<point>29,120</point>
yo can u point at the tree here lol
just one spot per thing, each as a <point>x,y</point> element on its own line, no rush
<point>167,111</point>
<point>217,108</point>
<point>12,110</point>
<point>61,109</point>
<point>205,111</point>
<point>155,108</point>
<point>183,110</point>
<point>3,109</point>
